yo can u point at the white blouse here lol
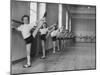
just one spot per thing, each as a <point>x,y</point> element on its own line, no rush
<point>54,33</point>
<point>43,31</point>
<point>25,30</point>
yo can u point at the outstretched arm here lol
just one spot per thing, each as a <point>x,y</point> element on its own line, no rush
<point>14,26</point>
<point>52,26</point>
<point>65,33</point>
<point>49,32</point>
<point>16,21</point>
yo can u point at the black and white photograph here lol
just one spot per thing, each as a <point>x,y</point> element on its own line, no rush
<point>52,37</point>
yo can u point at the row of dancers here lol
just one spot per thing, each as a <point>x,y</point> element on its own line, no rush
<point>56,35</point>
<point>30,30</point>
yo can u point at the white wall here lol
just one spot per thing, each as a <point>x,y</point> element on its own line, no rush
<point>18,48</point>
<point>64,15</point>
<point>18,9</point>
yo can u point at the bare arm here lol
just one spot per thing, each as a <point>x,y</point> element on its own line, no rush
<point>51,30</point>
<point>51,26</point>
<point>15,27</point>
<point>16,21</point>
<point>65,33</point>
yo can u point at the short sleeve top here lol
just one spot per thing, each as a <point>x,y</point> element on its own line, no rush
<point>25,30</point>
<point>43,31</point>
<point>54,33</point>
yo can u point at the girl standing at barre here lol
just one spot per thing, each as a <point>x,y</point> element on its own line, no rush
<point>60,37</point>
<point>54,37</point>
<point>25,29</point>
<point>43,32</point>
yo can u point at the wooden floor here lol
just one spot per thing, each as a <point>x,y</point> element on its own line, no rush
<point>75,56</point>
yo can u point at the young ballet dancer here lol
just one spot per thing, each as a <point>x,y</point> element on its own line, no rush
<point>60,38</point>
<point>43,32</point>
<point>64,35</point>
<point>54,37</point>
<point>25,29</point>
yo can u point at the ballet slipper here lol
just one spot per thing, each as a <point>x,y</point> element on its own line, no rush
<point>43,57</point>
<point>54,52</point>
<point>27,66</point>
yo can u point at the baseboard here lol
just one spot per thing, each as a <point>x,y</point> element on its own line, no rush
<point>18,60</point>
